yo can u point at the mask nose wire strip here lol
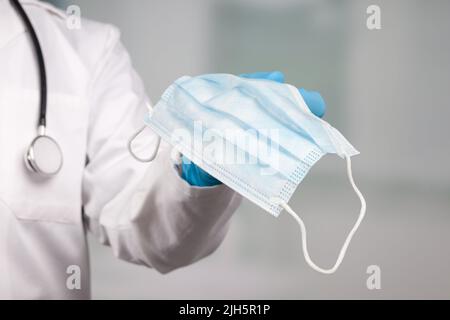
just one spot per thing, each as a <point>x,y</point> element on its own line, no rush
<point>153,154</point>
<point>362,213</point>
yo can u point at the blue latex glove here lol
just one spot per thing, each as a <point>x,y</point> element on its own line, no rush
<point>195,176</point>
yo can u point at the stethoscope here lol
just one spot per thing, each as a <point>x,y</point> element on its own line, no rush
<point>44,156</point>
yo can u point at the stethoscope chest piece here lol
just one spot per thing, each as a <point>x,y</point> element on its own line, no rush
<point>44,156</point>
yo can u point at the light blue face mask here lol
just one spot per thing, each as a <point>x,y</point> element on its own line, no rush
<point>256,136</point>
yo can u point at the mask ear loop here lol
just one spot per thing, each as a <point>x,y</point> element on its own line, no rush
<point>155,150</point>
<point>300,222</point>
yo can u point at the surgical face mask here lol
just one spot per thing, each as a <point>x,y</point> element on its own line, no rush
<point>256,136</point>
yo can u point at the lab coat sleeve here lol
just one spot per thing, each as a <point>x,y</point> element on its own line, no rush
<point>145,211</point>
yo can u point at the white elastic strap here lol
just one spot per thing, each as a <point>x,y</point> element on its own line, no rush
<point>153,154</point>
<point>362,213</point>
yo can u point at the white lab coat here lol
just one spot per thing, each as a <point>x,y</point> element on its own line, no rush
<point>146,213</point>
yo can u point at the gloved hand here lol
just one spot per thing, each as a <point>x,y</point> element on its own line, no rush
<point>195,176</point>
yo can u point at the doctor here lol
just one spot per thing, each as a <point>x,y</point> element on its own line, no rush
<point>160,214</point>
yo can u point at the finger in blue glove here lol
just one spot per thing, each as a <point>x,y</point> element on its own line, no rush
<point>195,176</point>
<point>277,76</point>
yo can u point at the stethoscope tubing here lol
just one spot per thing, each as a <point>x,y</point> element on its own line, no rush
<point>40,61</point>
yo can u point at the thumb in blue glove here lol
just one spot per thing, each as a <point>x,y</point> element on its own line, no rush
<point>195,176</point>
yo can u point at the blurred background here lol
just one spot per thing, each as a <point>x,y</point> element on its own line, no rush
<point>386,90</point>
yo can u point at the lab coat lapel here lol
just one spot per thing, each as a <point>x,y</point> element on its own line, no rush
<point>10,23</point>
